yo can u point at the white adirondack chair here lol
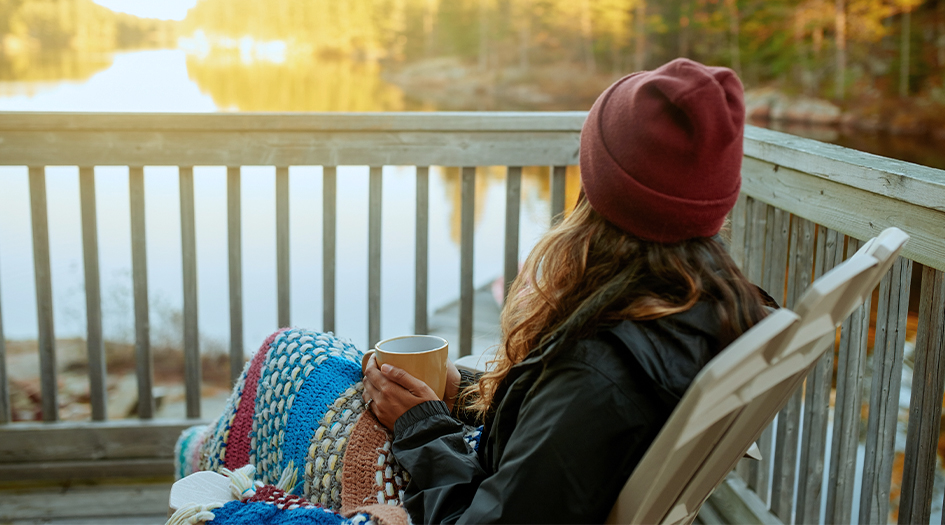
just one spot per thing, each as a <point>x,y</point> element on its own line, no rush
<point>739,392</point>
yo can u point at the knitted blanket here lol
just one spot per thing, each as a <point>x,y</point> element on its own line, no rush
<point>296,415</point>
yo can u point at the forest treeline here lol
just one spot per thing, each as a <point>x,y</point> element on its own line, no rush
<point>826,48</point>
<point>819,47</point>
<point>28,26</point>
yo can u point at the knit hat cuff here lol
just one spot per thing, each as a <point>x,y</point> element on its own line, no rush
<point>652,216</point>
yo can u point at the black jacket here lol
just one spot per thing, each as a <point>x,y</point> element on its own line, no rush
<point>566,433</point>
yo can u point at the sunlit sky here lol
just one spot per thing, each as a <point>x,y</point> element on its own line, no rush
<point>164,9</point>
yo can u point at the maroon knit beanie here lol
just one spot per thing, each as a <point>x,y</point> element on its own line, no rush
<point>661,151</point>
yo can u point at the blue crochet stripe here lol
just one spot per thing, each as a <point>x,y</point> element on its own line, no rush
<point>239,513</point>
<point>321,388</point>
<point>322,367</point>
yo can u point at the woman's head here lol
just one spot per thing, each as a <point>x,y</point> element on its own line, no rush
<point>660,169</point>
<point>661,151</point>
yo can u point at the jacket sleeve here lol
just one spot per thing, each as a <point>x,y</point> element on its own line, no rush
<point>444,471</point>
<point>576,440</point>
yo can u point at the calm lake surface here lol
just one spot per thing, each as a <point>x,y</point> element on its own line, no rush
<point>251,77</point>
<point>177,81</point>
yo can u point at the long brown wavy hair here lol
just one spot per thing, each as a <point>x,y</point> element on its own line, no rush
<point>586,273</point>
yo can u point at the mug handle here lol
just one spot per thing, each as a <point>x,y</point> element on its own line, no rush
<point>364,360</point>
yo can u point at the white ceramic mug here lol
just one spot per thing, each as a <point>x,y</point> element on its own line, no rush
<point>422,356</point>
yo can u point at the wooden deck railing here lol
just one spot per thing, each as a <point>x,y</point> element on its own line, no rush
<point>805,207</point>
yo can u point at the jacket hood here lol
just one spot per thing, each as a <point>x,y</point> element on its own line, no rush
<point>673,349</point>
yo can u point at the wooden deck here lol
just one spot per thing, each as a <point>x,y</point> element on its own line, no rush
<point>106,503</point>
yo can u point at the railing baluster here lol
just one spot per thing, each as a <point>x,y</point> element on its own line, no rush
<point>6,414</point>
<point>776,250</point>
<point>44,311</point>
<point>189,255</point>
<point>925,408</point>
<point>328,247</point>
<point>817,401</point>
<point>374,255</point>
<point>282,246</point>
<point>776,245</point>
<point>139,269</point>
<point>466,292</point>
<point>890,339</point>
<point>755,240</point>
<point>422,250</point>
<point>851,360</point>
<point>93,295</point>
<point>235,261</point>
<point>739,223</point>
<point>558,180</point>
<point>753,266</point>
<point>513,205</point>
<point>785,450</point>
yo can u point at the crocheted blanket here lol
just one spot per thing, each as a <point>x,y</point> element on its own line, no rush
<point>296,415</point>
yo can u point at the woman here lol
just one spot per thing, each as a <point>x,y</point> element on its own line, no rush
<point>615,312</point>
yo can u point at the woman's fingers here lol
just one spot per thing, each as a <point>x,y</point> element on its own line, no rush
<point>405,380</point>
<point>390,392</point>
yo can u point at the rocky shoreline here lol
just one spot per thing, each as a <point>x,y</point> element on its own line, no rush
<point>448,83</point>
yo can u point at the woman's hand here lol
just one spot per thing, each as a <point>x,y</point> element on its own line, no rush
<point>391,391</point>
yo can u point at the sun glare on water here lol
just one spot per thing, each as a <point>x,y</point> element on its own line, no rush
<point>162,9</point>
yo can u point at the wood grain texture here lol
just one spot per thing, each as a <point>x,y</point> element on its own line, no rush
<point>734,502</point>
<point>421,252</point>
<point>467,225</point>
<point>777,236</point>
<point>144,362</point>
<point>188,237</point>
<point>44,307</point>
<point>234,248</point>
<point>739,223</point>
<point>290,148</point>
<point>800,264</point>
<point>842,208</point>
<point>88,503</point>
<point>558,180</point>
<point>829,253</point>
<point>905,181</point>
<point>95,344</point>
<point>753,268</point>
<point>283,270</point>
<point>892,311</point>
<point>513,206</point>
<point>374,255</point>
<point>851,361</point>
<point>757,218</point>
<point>89,470</point>
<point>27,443</point>
<point>303,122</point>
<point>329,203</point>
<point>925,407</point>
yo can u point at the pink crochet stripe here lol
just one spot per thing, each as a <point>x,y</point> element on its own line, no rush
<point>237,448</point>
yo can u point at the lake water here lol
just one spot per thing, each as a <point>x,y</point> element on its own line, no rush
<point>178,81</point>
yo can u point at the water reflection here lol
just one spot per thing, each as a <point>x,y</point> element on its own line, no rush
<point>299,82</point>
<point>28,73</point>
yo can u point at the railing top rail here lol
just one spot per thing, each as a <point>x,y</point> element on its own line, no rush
<point>897,179</point>
<point>557,121</point>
